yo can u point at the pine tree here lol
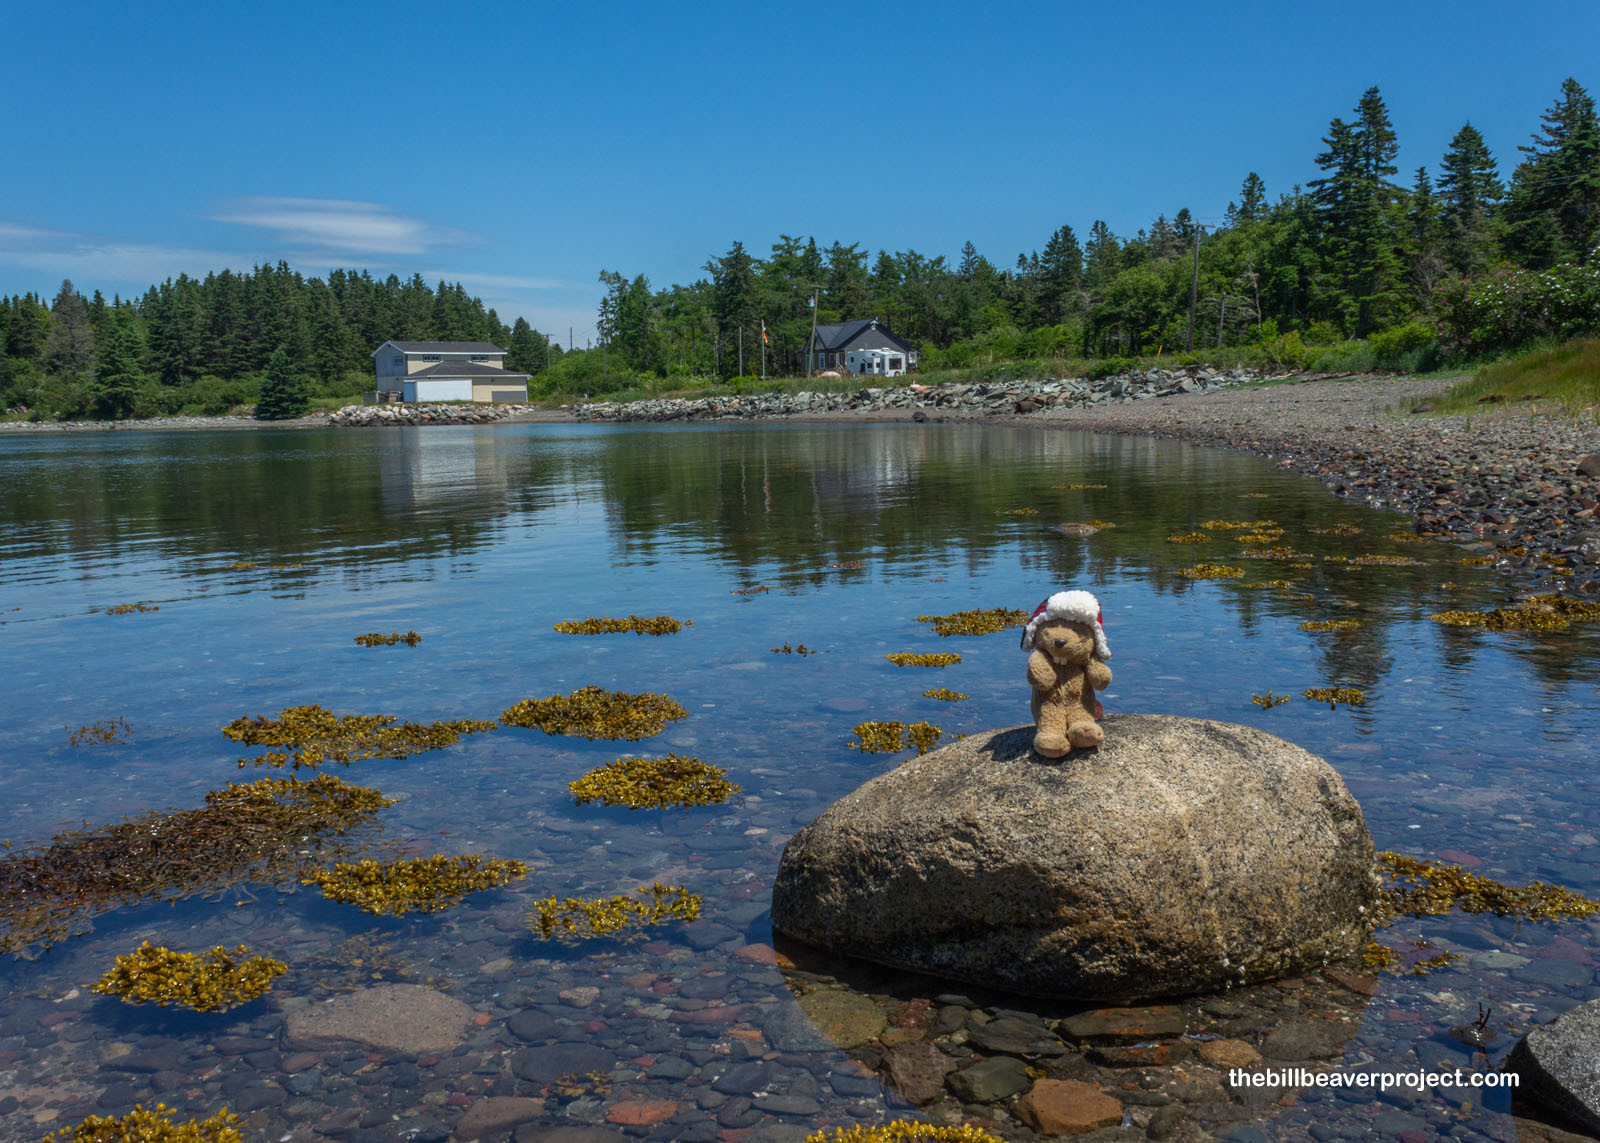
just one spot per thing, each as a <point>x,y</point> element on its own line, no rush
<point>1358,208</point>
<point>117,371</point>
<point>1060,277</point>
<point>70,347</point>
<point>283,392</point>
<point>1424,236</point>
<point>1553,211</point>
<point>1469,190</point>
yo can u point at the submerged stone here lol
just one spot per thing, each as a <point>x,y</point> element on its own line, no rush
<point>1181,856</point>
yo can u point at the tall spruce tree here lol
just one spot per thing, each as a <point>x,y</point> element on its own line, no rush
<point>70,347</point>
<point>1060,277</point>
<point>117,372</point>
<point>1469,191</point>
<point>1553,210</point>
<point>1358,208</point>
<point>1424,237</point>
<point>283,391</point>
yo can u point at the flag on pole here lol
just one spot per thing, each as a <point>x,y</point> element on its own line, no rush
<point>764,338</point>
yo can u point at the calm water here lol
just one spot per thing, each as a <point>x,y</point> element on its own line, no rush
<point>1470,746</point>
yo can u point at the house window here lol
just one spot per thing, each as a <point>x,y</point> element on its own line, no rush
<point>896,363</point>
<point>479,357</point>
<point>430,357</point>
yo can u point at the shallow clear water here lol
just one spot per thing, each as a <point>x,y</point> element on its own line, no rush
<point>1470,746</point>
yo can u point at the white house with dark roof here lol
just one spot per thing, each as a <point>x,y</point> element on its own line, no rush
<point>860,347</point>
<point>446,371</point>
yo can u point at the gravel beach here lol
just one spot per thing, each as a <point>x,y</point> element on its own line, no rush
<point>1504,476</point>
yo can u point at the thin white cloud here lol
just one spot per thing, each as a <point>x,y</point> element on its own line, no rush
<point>91,259</point>
<point>341,225</point>
<point>496,281</point>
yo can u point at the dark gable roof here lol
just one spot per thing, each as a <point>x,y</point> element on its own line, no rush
<point>446,347</point>
<point>464,369</point>
<point>840,334</point>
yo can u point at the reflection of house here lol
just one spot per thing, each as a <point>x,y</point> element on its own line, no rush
<point>860,347</point>
<point>446,371</point>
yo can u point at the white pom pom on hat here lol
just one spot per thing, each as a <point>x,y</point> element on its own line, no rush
<point>1080,606</point>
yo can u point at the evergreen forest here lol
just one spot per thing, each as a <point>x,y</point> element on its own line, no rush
<point>1361,267</point>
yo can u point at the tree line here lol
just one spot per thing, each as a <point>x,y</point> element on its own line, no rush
<point>1354,252</point>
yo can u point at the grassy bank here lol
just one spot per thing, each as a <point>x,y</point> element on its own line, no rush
<point>1562,378</point>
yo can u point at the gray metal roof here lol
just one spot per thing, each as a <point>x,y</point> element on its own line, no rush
<point>464,369</point>
<point>840,334</point>
<point>444,347</point>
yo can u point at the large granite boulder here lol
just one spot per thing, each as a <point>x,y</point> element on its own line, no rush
<point>1180,856</point>
<point>1558,1065</point>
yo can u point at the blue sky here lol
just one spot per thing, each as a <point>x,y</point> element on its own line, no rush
<point>523,147</point>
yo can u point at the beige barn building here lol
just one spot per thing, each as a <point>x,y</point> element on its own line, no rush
<point>414,371</point>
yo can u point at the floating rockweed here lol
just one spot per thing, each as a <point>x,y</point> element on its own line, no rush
<point>590,712</point>
<point>1100,523</point>
<point>654,783</point>
<point>214,982</point>
<point>802,650</point>
<point>1417,887</point>
<point>1330,625</point>
<point>637,624</point>
<point>131,609</point>
<point>758,589</point>
<point>1016,511</point>
<point>1076,487</point>
<point>1269,700</point>
<point>1380,561</point>
<point>979,621</point>
<point>934,659</point>
<point>1333,696</point>
<point>155,1126</point>
<point>272,832</point>
<point>944,694</point>
<point>1259,537</point>
<point>893,737</point>
<point>903,1131</point>
<point>312,735</point>
<point>420,884</point>
<point>1339,530</point>
<point>1189,538</point>
<point>1276,552</point>
<point>1405,538</point>
<point>619,917</point>
<point>1238,525</point>
<point>1211,571</point>
<point>106,732</point>
<point>1477,561</point>
<point>378,639</point>
<point>1280,584</point>
<point>1537,613</point>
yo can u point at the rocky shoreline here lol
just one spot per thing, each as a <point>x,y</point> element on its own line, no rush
<point>990,398</point>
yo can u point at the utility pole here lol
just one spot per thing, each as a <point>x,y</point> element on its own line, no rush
<point>569,339</point>
<point>1222,308</point>
<point>811,346</point>
<point>1194,289</point>
<point>763,351</point>
<point>741,349</point>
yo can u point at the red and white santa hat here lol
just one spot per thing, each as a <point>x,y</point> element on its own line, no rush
<point>1080,606</point>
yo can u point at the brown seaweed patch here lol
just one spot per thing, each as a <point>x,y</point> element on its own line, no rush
<point>1211,571</point>
<point>1417,887</point>
<point>312,735</point>
<point>1189,538</point>
<point>1269,700</point>
<point>106,732</point>
<point>1076,487</point>
<point>1238,525</point>
<point>845,565</point>
<point>272,832</point>
<point>945,694</point>
<point>378,639</point>
<point>156,1126</point>
<point>1339,530</point>
<point>637,624</point>
<point>570,1085</point>
<point>978,621</point>
<point>423,884</point>
<point>758,589</point>
<point>1276,552</point>
<point>590,712</point>
<point>131,609</point>
<point>215,982</point>
<point>619,917</point>
<point>1333,696</point>
<point>1405,538</point>
<point>654,783</point>
<point>932,659</point>
<point>893,737</point>
<point>1280,584</point>
<point>800,649</point>
<point>1016,511</point>
<point>1100,523</point>
<point>1377,561</point>
<point>1477,561</point>
<point>239,565</point>
<point>1537,613</point>
<point>1330,625</point>
<point>903,1131</point>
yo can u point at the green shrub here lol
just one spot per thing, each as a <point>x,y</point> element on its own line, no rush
<point>1109,367</point>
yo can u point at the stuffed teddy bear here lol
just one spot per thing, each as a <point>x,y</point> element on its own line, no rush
<point>1067,665</point>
